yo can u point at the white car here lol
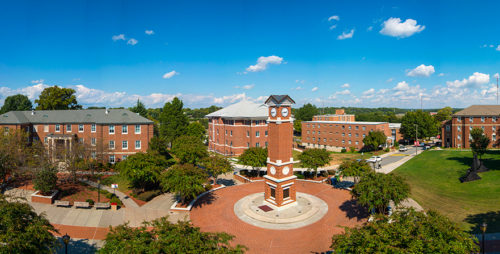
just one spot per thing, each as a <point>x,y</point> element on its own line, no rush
<point>403,148</point>
<point>374,159</point>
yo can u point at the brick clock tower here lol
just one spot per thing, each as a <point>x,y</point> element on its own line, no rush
<point>280,180</point>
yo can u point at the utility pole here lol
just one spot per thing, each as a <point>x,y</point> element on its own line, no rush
<point>497,89</point>
<point>416,138</point>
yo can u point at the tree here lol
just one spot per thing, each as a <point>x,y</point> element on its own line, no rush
<point>16,102</point>
<point>159,145</point>
<point>140,108</point>
<point>185,180</point>
<point>189,149</point>
<point>306,112</point>
<point>376,190</point>
<point>254,157</point>
<point>355,168</point>
<point>314,158</point>
<point>217,165</point>
<point>143,169</point>
<point>444,114</point>
<point>13,153</point>
<point>162,236</point>
<point>374,140</point>
<point>427,125</point>
<point>173,121</point>
<point>195,129</point>
<point>22,230</point>
<point>45,180</point>
<point>408,231</point>
<point>480,142</point>
<point>57,98</point>
<point>297,126</point>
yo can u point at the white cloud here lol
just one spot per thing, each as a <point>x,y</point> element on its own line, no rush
<point>333,27</point>
<point>297,88</point>
<point>37,81</point>
<point>496,75</point>
<point>369,28</point>
<point>498,48</point>
<point>345,35</point>
<point>314,89</point>
<point>389,80</point>
<point>346,85</point>
<point>475,79</point>
<point>300,81</point>
<point>132,41</point>
<point>263,61</point>
<point>170,74</point>
<point>120,37</point>
<point>334,17</point>
<point>343,93</point>
<point>421,71</point>
<point>149,32</point>
<point>395,28</point>
<point>246,87</point>
<point>441,74</point>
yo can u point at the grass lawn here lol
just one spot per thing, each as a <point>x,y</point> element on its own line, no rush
<point>338,157</point>
<point>434,180</point>
<point>123,183</point>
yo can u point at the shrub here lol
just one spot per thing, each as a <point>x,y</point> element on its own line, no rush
<point>352,149</point>
<point>396,144</point>
<point>45,180</point>
<point>343,150</point>
<point>299,175</point>
<point>148,195</point>
<point>324,173</point>
<point>331,172</point>
<point>115,199</point>
<point>387,149</point>
<point>90,201</point>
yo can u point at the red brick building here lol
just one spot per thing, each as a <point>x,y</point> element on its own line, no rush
<point>339,116</point>
<point>456,132</point>
<point>237,127</point>
<point>113,134</point>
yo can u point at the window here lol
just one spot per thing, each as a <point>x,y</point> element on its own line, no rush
<point>226,132</point>
<point>68,127</point>
<point>349,134</point>
<point>124,129</point>
<point>111,129</point>
<point>314,139</point>
<point>46,128</point>
<point>58,128</point>
<point>459,118</point>
<point>357,142</point>
<point>494,137</point>
<point>111,159</point>
<point>357,127</point>
<point>124,144</point>
<point>349,127</point>
<point>349,142</point>
<point>458,137</point>
<point>286,193</point>
<point>137,144</point>
<point>266,133</point>
<point>92,127</point>
<point>248,144</point>
<point>482,119</point>
<point>343,134</point>
<point>324,139</point>
<point>231,133</point>
<point>494,118</point>
<point>470,128</point>
<point>124,157</point>
<point>266,143</point>
<point>471,119</point>
<point>92,141</point>
<point>257,133</point>
<point>273,193</point>
<point>447,128</point>
<point>459,129</point>
<point>80,128</point>
<point>257,144</point>
<point>93,154</point>
<point>111,144</point>
<point>81,140</point>
<point>364,135</point>
<point>46,140</point>
<point>357,135</point>
<point>343,141</point>
<point>319,132</point>
<point>494,129</point>
<point>231,143</point>
<point>364,128</point>
<point>217,131</point>
<point>248,134</point>
<point>137,129</point>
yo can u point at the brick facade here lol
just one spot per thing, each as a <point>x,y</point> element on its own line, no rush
<point>456,132</point>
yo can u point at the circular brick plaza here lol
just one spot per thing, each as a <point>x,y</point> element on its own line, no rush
<point>215,213</point>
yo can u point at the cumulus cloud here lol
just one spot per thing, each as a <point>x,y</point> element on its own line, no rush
<point>37,81</point>
<point>346,85</point>
<point>345,35</point>
<point>334,17</point>
<point>421,71</point>
<point>314,89</point>
<point>170,74</point>
<point>297,88</point>
<point>475,79</point>
<point>132,41</point>
<point>120,37</point>
<point>333,27</point>
<point>342,93</point>
<point>246,87</point>
<point>498,48</point>
<point>149,32</point>
<point>263,62</point>
<point>396,28</point>
<point>441,74</point>
<point>369,28</point>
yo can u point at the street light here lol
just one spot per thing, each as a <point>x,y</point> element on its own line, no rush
<point>66,239</point>
<point>483,229</point>
<point>416,138</point>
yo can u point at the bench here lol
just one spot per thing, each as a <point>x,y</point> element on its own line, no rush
<point>82,204</point>
<point>61,203</point>
<point>102,206</point>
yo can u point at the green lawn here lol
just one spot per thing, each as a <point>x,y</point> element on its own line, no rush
<point>123,183</point>
<point>434,180</point>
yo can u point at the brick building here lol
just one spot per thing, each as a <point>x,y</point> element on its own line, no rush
<point>337,134</point>
<point>456,132</point>
<point>237,127</point>
<point>113,134</point>
<point>339,115</point>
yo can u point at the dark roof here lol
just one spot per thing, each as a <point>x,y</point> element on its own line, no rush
<point>97,116</point>
<point>480,110</point>
<point>278,99</point>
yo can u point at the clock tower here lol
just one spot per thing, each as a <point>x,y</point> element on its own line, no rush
<point>280,180</point>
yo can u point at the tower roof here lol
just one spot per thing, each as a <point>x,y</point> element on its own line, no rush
<point>279,99</point>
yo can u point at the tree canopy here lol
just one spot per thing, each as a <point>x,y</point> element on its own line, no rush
<point>254,157</point>
<point>143,169</point>
<point>217,165</point>
<point>16,102</point>
<point>166,237</point>
<point>374,140</point>
<point>173,121</point>
<point>355,168</point>
<point>57,98</point>
<point>306,112</point>
<point>444,114</point>
<point>45,180</point>
<point>314,158</point>
<point>408,232</point>
<point>140,109</point>
<point>196,129</point>
<point>480,142</point>
<point>189,149</point>
<point>428,126</point>
<point>185,180</point>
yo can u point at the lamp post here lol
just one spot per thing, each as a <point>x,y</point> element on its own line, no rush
<point>416,138</point>
<point>483,229</point>
<point>66,239</point>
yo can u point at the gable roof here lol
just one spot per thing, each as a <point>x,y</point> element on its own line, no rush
<point>97,116</point>
<point>242,110</point>
<point>480,110</point>
<point>279,99</point>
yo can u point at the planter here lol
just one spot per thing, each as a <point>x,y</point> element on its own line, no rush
<point>38,198</point>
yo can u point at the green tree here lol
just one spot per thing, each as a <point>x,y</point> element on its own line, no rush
<point>140,109</point>
<point>376,190</point>
<point>16,102</point>
<point>196,129</point>
<point>45,180</point>
<point>22,230</point>
<point>408,231</point>
<point>14,153</point>
<point>444,114</point>
<point>159,145</point>
<point>173,121</point>
<point>306,112</point>
<point>185,180</point>
<point>189,149</point>
<point>428,126</point>
<point>162,236</point>
<point>254,157</point>
<point>374,140</point>
<point>355,168</point>
<point>143,169</point>
<point>57,98</point>
<point>314,158</point>
<point>297,126</point>
<point>217,165</point>
<point>480,142</point>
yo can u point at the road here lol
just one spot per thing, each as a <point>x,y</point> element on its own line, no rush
<point>399,156</point>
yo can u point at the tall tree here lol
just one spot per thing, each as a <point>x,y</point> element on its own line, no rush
<point>306,112</point>
<point>444,114</point>
<point>14,153</point>
<point>374,140</point>
<point>297,126</point>
<point>217,165</point>
<point>16,102</point>
<point>189,149</point>
<point>185,180</point>
<point>480,142</point>
<point>143,169</point>
<point>196,129</point>
<point>314,158</point>
<point>428,126</point>
<point>254,157</point>
<point>57,98</point>
<point>355,168</point>
<point>140,108</point>
<point>173,121</point>
<point>407,231</point>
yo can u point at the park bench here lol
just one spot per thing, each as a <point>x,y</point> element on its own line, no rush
<point>82,204</point>
<point>61,203</point>
<point>102,206</point>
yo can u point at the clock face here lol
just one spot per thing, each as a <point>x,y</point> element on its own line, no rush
<point>285,170</point>
<point>273,170</point>
<point>273,112</point>
<point>284,112</point>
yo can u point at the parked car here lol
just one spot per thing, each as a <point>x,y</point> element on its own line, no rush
<point>403,148</point>
<point>374,159</point>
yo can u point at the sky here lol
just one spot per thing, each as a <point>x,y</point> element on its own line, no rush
<point>330,53</point>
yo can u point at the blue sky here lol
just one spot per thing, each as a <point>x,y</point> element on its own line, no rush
<point>330,53</point>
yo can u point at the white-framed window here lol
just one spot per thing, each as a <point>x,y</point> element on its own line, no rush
<point>319,132</point>
<point>46,140</point>
<point>493,128</point>
<point>266,133</point>
<point>364,135</point>
<point>357,127</point>
<point>231,133</point>
<point>248,134</point>
<point>349,142</point>
<point>343,141</point>
<point>459,129</point>
<point>324,139</point>
<point>124,144</point>
<point>92,128</point>
<point>364,127</point>
<point>137,129</point>
<point>226,132</point>
<point>470,128</point>
<point>459,118</point>
<point>80,128</point>
<point>482,119</point>
<point>314,139</point>
<point>494,137</point>
<point>471,119</point>
<point>248,145</point>
<point>357,142</point>
<point>137,144</point>
<point>459,137</point>
<point>257,133</point>
<point>46,128</point>
<point>111,129</point>
<point>92,141</point>
<point>58,127</point>
<point>124,157</point>
<point>68,127</point>
<point>124,129</point>
<point>494,118</point>
<point>349,134</point>
<point>266,144</point>
<point>93,155</point>
<point>257,144</point>
<point>111,144</point>
<point>112,159</point>
<point>81,140</point>
<point>343,134</point>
